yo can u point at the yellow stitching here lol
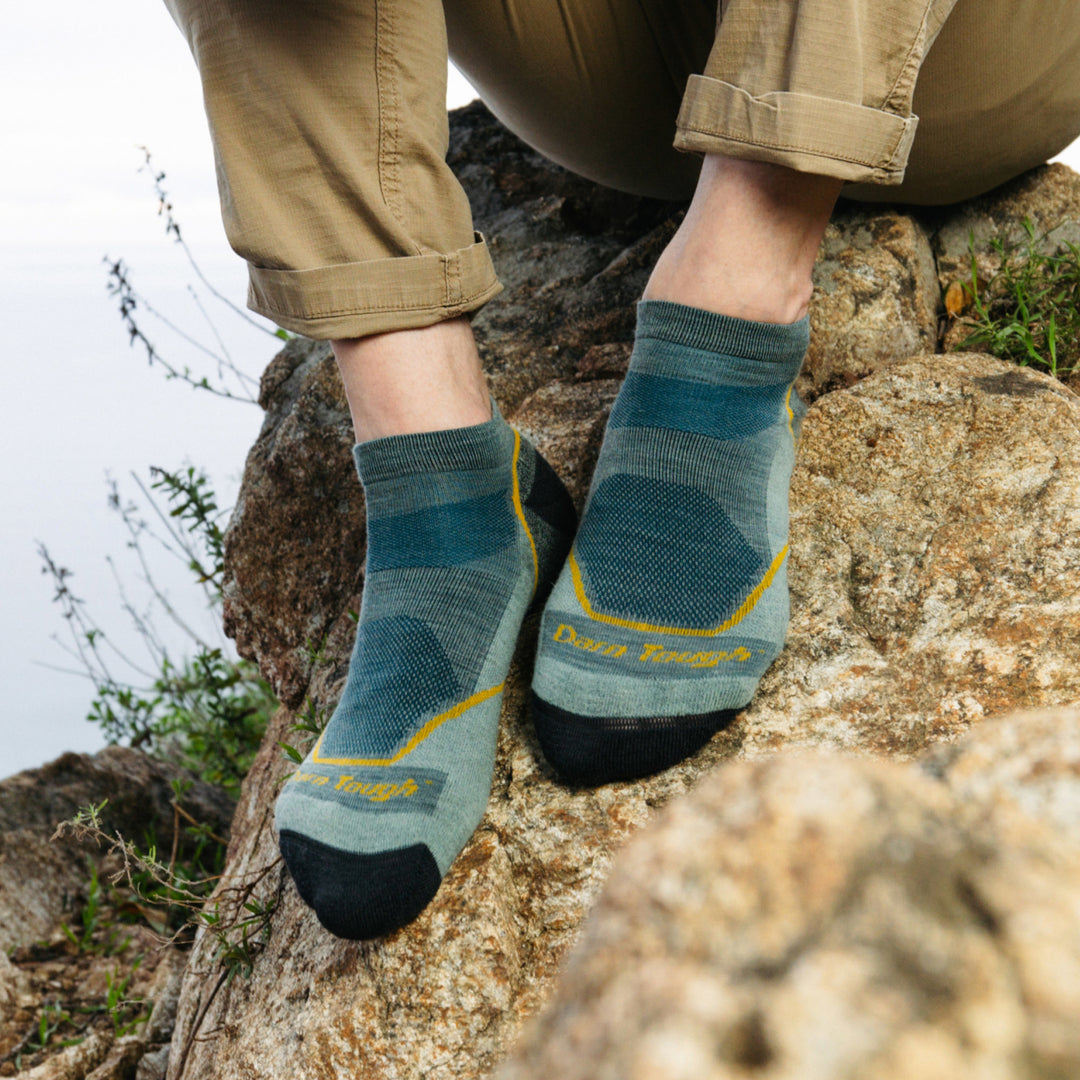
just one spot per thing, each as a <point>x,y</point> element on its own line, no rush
<point>745,607</point>
<point>418,738</point>
<point>521,512</point>
<point>790,413</point>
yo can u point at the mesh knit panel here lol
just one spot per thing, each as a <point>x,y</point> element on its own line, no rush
<point>692,405</point>
<point>446,535</point>
<point>401,673</point>
<point>663,553</point>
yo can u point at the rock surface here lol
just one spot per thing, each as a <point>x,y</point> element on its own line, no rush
<point>753,930</point>
<point>935,536</point>
<point>41,880</point>
<point>45,882</point>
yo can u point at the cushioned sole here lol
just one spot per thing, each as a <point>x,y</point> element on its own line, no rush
<point>589,750</point>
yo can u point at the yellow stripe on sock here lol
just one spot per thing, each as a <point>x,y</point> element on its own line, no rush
<point>745,607</point>
<point>418,738</point>
<point>520,510</point>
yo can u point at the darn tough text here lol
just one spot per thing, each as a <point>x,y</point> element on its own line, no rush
<point>656,654</point>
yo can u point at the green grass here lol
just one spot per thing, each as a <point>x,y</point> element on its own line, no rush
<point>1029,311</point>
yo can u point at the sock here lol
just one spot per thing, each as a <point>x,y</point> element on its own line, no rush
<point>465,529</point>
<point>674,599</point>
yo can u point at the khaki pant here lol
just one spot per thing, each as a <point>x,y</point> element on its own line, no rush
<point>330,131</point>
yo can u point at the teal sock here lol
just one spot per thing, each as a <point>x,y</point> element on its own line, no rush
<point>465,528</point>
<point>674,599</point>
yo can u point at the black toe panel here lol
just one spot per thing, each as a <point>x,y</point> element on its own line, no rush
<point>598,749</point>
<point>360,897</point>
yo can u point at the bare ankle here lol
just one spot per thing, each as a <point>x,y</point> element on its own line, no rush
<point>748,242</point>
<point>407,381</point>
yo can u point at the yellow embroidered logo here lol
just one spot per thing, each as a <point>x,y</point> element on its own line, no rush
<point>351,786</point>
<point>567,635</point>
<point>658,654</point>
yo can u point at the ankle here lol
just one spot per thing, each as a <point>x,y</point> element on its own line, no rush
<point>410,381</point>
<point>749,291</point>
<point>747,245</point>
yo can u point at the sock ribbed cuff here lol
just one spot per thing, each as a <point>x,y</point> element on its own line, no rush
<point>784,344</point>
<point>481,446</point>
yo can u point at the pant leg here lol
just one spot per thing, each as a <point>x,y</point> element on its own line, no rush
<point>998,94</point>
<point>822,86</point>
<point>924,101</point>
<point>330,133</point>
<point>592,84</point>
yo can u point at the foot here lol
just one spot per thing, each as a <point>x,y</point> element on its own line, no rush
<point>466,528</point>
<point>674,598</point>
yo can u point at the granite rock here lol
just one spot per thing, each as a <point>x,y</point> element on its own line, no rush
<point>815,917</point>
<point>875,301</point>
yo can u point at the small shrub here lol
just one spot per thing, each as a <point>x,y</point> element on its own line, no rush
<point>1029,310</point>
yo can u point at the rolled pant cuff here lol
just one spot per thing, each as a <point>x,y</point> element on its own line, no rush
<point>812,134</point>
<point>375,296</point>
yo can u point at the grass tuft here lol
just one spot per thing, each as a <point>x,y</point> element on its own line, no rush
<point>1029,310</point>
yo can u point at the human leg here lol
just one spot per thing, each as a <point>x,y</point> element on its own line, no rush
<point>330,132</point>
<point>674,598</point>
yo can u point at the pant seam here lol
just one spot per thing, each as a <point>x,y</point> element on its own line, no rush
<point>920,36</point>
<point>389,119</point>
<point>791,147</point>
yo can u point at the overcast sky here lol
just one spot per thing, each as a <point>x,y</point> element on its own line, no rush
<point>82,87</point>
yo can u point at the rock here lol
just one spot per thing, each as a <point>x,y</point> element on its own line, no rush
<point>42,881</point>
<point>875,300</point>
<point>74,1062</point>
<point>153,1065</point>
<point>16,1003</point>
<point>121,1061</point>
<point>300,493</point>
<point>752,929</point>
<point>934,540</point>
<point>1030,764</point>
<point>935,537</point>
<point>164,992</point>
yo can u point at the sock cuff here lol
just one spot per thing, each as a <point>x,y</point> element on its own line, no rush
<point>694,328</point>
<point>479,447</point>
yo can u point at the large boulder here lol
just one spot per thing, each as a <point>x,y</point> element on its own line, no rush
<point>934,539</point>
<point>821,917</point>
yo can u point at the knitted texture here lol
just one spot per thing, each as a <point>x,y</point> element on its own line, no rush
<point>674,599</point>
<point>465,528</point>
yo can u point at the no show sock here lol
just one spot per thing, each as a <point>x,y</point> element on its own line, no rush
<point>674,598</point>
<point>466,528</point>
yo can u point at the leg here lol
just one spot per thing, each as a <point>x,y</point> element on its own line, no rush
<point>748,242</point>
<point>674,599</point>
<point>330,131</point>
<point>998,94</point>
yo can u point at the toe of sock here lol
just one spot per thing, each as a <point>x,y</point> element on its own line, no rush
<point>360,896</point>
<point>599,749</point>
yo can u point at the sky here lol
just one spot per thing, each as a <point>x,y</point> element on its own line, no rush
<point>81,404</point>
